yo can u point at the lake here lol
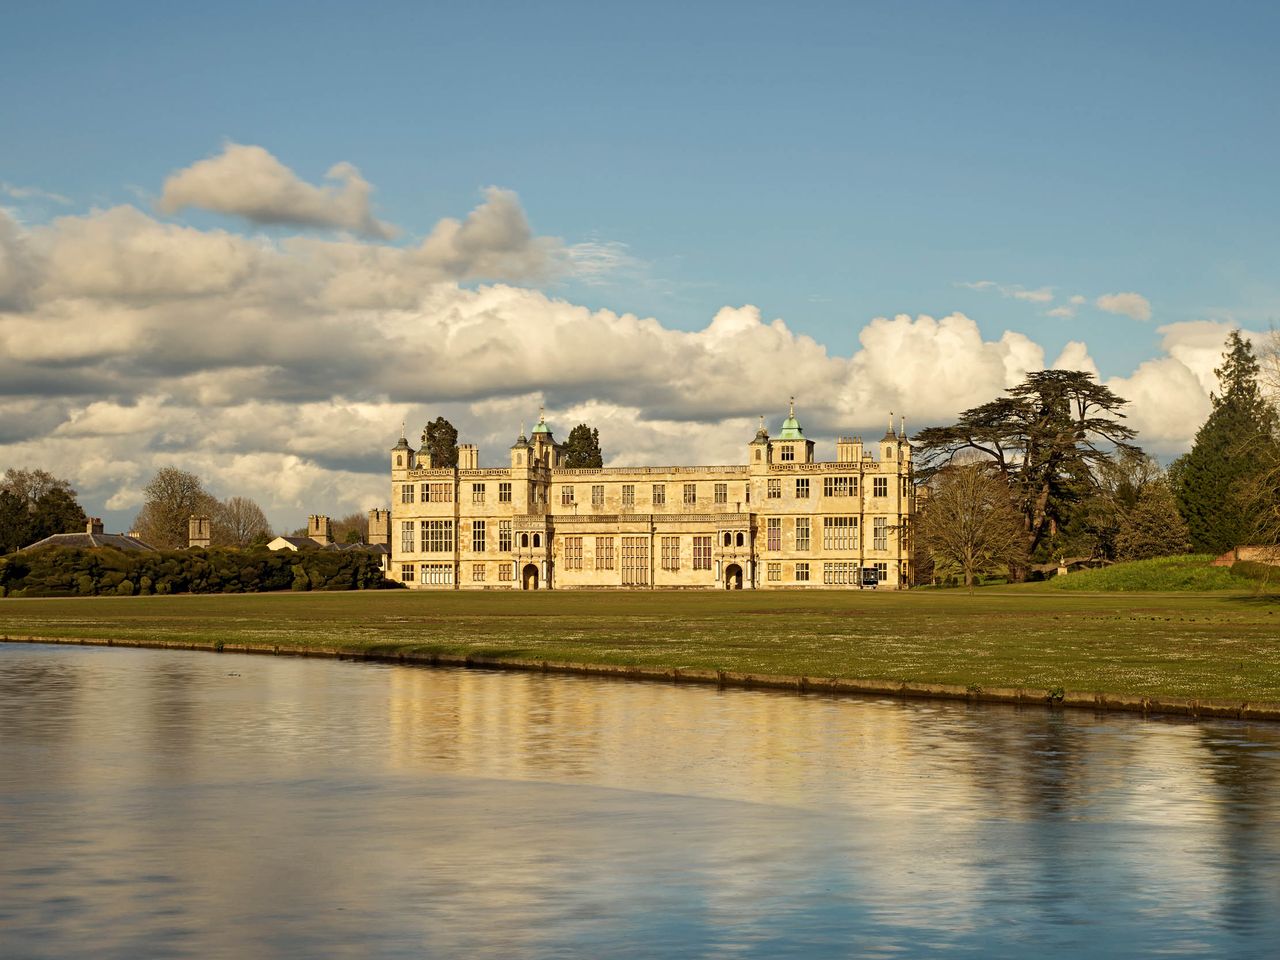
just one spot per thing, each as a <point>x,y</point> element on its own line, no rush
<point>178,804</point>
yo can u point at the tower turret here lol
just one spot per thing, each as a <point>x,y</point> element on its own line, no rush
<point>401,456</point>
<point>521,451</point>
<point>889,443</point>
<point>544,444</point>
<point>792,446</point>
<point>758,448</point>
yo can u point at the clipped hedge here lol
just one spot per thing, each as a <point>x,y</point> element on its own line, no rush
<point>66,572</point>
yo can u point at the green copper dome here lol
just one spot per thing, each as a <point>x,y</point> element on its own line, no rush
<point>791,429</point>
<point>541,426</point>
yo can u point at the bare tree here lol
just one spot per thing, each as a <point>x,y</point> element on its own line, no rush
<point>239,522</point>
<point>353,528</point>
<point>173,496</point>
<point>969,523</point>
<point>31,485</point>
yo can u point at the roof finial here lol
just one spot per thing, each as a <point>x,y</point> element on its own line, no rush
<point>402,426</point>
<point>793,406</point>
<point>904,426</point>
<point>542,413</point>
<point>762,421</point>
<point>891,421</point>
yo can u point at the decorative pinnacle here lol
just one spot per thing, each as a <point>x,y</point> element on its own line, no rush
<point>891,421</point>
<point>904,427</point>
<point>542,413</point>
<point>793,406</point>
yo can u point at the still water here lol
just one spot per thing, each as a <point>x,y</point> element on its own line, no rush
<point>173,804</point>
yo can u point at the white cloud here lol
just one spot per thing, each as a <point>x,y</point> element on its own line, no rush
<point>1016,291</point>
<point>1132,305</point>
<point>1075,356</point>
<point>248,181</point>
<point>595,261</point>
<point>32,193</point>
<point>17,264</point>
<point>123,254</point>
<point>282,370</point>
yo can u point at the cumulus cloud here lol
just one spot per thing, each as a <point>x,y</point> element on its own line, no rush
<point>248,181</point>
<point>1130,304</point>
<point>282,370</point>
<point>17,265</point>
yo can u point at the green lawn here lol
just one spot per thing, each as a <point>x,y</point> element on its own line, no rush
<point>1219,645</point>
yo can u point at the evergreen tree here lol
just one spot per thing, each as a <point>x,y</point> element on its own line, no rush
<point>1152,527</point>
<point>582,449</point>
<point>35,504</point>
<point>1047,439</point>
<point>1214,479</point>
<point>15,523</point>
<point>57,512</point>
<point>441,438</point>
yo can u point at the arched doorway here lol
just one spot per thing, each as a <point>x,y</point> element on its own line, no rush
<point>529,576</point>
<point>733,577</point>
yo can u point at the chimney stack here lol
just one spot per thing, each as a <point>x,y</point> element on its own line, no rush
<point>198,532</point>
<point>94,525</point>
<point>319,530</point>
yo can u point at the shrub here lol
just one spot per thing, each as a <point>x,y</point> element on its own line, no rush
<point>61,571</point>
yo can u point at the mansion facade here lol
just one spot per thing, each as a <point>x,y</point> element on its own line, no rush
<point>781,521</point>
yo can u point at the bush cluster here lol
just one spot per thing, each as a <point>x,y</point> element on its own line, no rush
<point>62,571</point>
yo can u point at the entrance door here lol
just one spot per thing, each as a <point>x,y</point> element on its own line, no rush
<point>529,575</point>
<point>733,577</point>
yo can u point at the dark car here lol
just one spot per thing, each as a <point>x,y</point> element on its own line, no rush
<point>869,578</point>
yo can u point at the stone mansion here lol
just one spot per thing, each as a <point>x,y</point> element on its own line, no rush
<point>782,521</point>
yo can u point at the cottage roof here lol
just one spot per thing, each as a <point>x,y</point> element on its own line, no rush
<point>89,541</point>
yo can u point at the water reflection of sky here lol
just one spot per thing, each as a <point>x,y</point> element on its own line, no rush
<point>181,804</point>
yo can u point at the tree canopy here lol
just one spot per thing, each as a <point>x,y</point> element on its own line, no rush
<point>353,528</point>
<point>239,522</point>
<point>441,438</point>
<point>1047,438</point>
<point>35,504</point>
<point>968,524</point>
<point>1152,527</point>
<point>173,496</point>
<point>1217,482</point>
<point>582,449</point>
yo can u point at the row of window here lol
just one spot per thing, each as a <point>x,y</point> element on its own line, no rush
<point>443,492</point>
<point>838,533</point>
<point>635,569</point>
<point>632,553</point>
<point>831,487</point>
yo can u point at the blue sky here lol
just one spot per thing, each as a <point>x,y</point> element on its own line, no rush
<point>825,163</point>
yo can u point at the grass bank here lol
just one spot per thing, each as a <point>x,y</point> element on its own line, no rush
<point>1195,646</point>
<point>1192,572</point>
